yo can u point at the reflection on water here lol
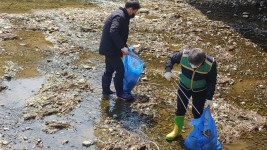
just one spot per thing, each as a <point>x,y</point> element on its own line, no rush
<point>23,53</point>
<point>121,111</point>
<point>19,90</point>
<point>27,133</point>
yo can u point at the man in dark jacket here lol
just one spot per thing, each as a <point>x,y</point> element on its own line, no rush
<point>113,46</point>
<point>197,79</point>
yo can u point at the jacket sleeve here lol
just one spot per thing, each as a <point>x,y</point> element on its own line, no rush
<point>211,81</point>
<point>115,32</point>
<point>174,58</point>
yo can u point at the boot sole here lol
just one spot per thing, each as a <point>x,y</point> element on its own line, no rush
<point>173,139</point>
<point>170,139</point>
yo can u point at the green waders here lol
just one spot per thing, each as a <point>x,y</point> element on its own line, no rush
<point>178,126</point>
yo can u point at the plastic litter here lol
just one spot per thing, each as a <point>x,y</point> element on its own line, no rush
<point>204,135</point>
<point>133,68</point>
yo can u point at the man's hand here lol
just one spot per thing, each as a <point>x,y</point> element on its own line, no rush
<point>125,51</point>
<point>208,103</point>
<point>169,76</point>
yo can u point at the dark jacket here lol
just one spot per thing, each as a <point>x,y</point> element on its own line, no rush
<point>210,78</point>
<point>115,33</point>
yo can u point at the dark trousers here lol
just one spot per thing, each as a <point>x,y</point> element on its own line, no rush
<point>182,101</point>
<point>113,64</point>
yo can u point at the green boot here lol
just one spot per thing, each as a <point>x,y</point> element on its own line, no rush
<point>178,126</point>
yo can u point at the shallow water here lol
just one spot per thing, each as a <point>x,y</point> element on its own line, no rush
<point>25,51</point>
<point>18,90</point>
<point>29,134</point>
<point>121,111</point>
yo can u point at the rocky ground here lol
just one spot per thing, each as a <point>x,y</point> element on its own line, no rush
<point>69,100</point>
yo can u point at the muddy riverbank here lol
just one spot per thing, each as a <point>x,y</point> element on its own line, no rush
<point>62,107</point>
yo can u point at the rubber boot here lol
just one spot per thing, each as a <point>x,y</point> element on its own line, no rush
<point>178,126</point>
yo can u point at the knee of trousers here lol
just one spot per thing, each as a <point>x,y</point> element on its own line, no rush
<point>119,74</point>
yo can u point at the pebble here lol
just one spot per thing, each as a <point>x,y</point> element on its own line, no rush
<point>6,129</point>
<point>65,142</point>
<point>5,142</point>
<point>261,86</point>
<point>25,138</point>
<point>87,67</point>
<point>87,143</point>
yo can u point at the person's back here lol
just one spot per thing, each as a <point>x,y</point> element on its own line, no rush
<point>109,34</point>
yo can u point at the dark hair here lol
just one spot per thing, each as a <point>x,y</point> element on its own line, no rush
<point>132,4</point>
<point>196,56</point>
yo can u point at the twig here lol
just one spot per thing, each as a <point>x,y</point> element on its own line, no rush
<point>154,144</point>
<point>149,83</point>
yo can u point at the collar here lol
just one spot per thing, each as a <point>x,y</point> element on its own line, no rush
<point>125,12</point>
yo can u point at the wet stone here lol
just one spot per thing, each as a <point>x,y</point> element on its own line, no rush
<point>87,67</point>
<point>8,37</point>
<point>28,128</point>
<point>25,138</point>
<point>49,60</point>
<point>54,126</point>
<point>87,143</point>
<point>261,86</point>
<point>4,142</point>
<point>6,129</point>
<point>39,140</point>
<point>65,142</point>
<point>29,116</point>
<point>2,87</point>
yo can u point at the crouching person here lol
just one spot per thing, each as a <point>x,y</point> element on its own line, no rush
<point>197,80</point>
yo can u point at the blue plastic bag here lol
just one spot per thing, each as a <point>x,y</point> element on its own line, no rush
<point>204,135</point>
<point>133,68</point>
